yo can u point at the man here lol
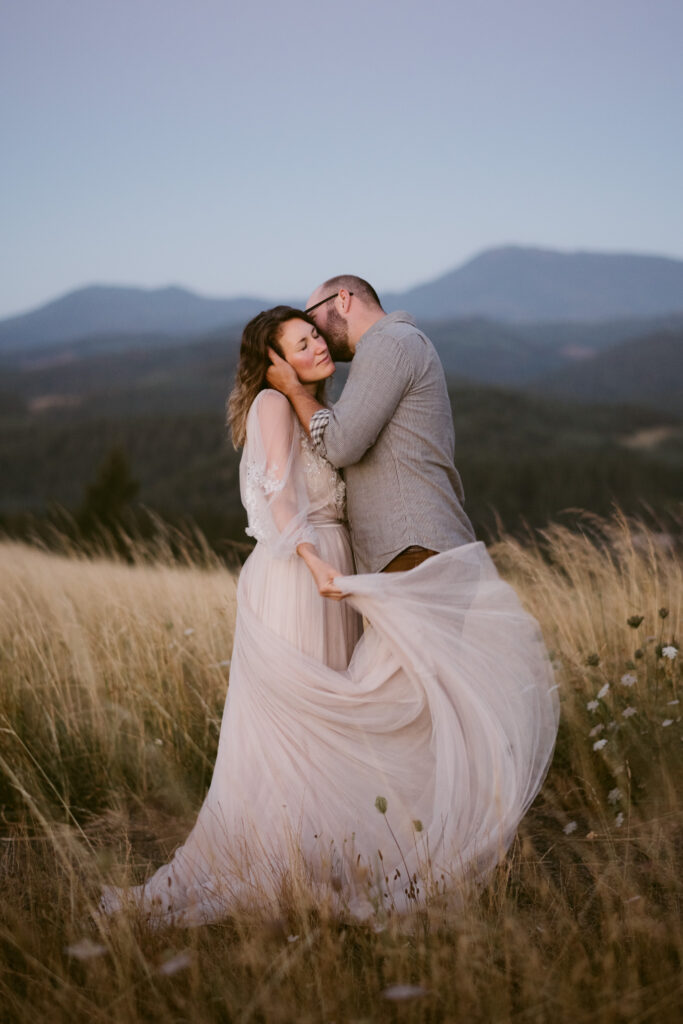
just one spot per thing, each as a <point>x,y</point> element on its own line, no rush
<point>391,430</point>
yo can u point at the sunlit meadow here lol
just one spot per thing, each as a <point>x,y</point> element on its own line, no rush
<point>113,676</point>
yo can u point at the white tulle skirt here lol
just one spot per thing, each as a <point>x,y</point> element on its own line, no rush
<point>386,768</point>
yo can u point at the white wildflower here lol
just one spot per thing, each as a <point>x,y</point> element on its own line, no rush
<point>570,827</point>
<point>592,705</point>
<point>399,993</point>
<point>669,652</point>
<point>629,679</point>
<point>667,721</point>
<point>176,963</point>
<point>86,949</point>
<point>602,692</point>
<point>614,795</point>
<point>628,712</point>
<point>619,820</point>
<point>672,703</point>
<point>188,632</point>
<point>292,938</point>
<point>599,744</point>
<point>158,742</point>
<point>596,730</point>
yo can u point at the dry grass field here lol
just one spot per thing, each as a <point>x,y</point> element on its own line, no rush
<point>112,682</point>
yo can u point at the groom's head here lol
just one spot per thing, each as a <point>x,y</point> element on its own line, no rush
<point>343,308</point>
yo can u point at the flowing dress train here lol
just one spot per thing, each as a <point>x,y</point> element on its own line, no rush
<point>445,708</point>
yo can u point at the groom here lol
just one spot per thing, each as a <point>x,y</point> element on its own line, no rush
<point>391,430</point>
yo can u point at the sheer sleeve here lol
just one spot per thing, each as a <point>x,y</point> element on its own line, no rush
<point>272,481</point>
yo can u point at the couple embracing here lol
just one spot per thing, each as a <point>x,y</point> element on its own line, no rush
<point>409,708</point>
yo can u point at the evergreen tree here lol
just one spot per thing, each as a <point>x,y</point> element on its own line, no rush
<point>107,497</point>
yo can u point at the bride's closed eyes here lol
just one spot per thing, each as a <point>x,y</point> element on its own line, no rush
<point>306,351</point>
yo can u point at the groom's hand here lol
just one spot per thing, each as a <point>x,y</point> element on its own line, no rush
<point>280,375</point>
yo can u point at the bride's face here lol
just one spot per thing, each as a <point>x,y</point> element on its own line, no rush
<point>306,351</point>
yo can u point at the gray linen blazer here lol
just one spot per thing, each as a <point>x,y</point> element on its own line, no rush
<point>392,433</point>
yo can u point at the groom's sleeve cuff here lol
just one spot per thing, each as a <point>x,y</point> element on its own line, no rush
<point>319,421</point>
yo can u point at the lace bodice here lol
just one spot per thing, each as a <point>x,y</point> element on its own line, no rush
<point>288,488</point>
<point>326,489</point>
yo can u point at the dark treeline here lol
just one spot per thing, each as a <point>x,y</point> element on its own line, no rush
<point>524,461</point>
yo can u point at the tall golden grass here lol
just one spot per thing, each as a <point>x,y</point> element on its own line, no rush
<point>113,678</point>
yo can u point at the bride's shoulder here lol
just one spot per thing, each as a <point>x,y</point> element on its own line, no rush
<point>272,401</point>
<point>271,405</point>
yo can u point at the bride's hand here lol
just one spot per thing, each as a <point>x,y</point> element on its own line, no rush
<point>324,575</point>
<point>280,375</point>
<point>322,572</point>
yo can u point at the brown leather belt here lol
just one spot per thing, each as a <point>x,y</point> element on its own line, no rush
<point>408,559</point>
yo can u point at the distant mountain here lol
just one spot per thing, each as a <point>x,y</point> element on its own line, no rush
<point>109,310</point>
<point>524,284</point>
<point>189,375</point>
<point>520,286</point>
<point>125,373</point>
<point>483,350</point>
<point>645,371</point>
<point>581,339</point>
<point>508,354</point>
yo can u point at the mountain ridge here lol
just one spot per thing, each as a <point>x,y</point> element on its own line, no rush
<point>521,283</point>
<point>514,284</point>
<point>110,309</point>
<point>620,361</point>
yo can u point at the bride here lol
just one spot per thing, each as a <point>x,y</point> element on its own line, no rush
<point>385,763</point>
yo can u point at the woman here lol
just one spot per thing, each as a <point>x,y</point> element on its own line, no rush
<point>385,766</point>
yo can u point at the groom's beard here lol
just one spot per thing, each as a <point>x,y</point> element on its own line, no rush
<point>336,334</point>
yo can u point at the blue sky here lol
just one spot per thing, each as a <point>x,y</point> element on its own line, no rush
<point>257,148</point>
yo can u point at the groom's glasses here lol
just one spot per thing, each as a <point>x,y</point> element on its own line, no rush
<point>322,302</point>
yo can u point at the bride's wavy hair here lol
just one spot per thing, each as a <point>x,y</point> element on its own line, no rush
<point>250,377</point>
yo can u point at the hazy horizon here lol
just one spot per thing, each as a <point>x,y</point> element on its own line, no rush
<point>302,292</point>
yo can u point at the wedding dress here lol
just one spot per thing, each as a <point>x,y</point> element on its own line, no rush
<point>387,765</point>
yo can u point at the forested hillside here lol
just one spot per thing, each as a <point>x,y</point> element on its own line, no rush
<point>523,457</point>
